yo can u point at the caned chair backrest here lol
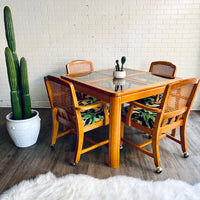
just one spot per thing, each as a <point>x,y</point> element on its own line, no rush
<point>61,94</point>
<point>79,67</point>
<point>176,103</point>
<point>163,68</point>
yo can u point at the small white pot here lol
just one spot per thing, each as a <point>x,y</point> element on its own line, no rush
<point>119,74</point>
<point>24,133</point>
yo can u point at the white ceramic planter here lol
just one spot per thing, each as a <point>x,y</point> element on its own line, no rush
<point>119,74</point>
<point>24,133</point>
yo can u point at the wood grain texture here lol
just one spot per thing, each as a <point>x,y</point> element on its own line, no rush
<point>172,113</point>
<point>17,164</point>
<point>115,98</point>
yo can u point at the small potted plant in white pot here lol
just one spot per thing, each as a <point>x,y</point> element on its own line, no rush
<point>23,123</point>
<point>119,71</point>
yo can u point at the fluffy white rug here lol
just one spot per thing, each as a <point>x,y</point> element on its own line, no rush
<point>78,187</point>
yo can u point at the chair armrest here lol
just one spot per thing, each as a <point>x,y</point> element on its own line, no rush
<point>131,108</point>
<point>157,110</point>
<point>87,107</point>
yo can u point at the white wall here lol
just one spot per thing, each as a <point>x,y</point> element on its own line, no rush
<point>51,33</point>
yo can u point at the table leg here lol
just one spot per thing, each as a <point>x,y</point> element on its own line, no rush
<point>114,131</point>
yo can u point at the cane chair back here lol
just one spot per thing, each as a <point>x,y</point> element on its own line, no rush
<point>79,67</point>
<point>163,68</point>
<point>173,112</point>
<point>77,116</point>
<point>160,68</point>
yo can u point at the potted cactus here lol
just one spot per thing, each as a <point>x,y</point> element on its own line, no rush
<point>119,71</point>
<point>23,123</point>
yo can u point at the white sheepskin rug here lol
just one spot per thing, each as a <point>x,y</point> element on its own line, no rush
<point>78,187</point>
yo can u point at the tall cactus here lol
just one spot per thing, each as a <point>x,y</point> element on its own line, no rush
<point>14,93</point>
<point>10,35</point>
<point>26,100</point>
<point>17,75</point>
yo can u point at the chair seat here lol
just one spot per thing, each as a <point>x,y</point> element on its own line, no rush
<point>92,115</point>
<point>142,116</point>
<point>86,96</point>
<point>145,117</point>
<point>151,101</point>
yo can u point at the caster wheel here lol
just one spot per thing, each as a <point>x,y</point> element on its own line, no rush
<point>74,164</point>
<point>52,147</point>
<point>158,170</point>
<point>185,154</point>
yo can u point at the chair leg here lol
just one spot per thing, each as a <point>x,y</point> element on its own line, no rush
<point>79,146</point>
<point>156,154</point>
<point>174,131</point>
<point>157,98</point>
<point>121,135</point>
<point>82,95</point>
<point>55,130</point>
<point>64,128</point>
<point>183,141</point>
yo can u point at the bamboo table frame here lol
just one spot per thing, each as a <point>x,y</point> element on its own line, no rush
<point>136,85</point>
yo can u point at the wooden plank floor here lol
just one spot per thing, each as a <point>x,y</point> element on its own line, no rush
<point>17,164</point>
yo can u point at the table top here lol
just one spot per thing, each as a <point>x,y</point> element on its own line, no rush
<point>135,80</point>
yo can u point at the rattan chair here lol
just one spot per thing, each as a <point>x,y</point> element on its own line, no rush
<point>79,68</point>
<point>78,116</point>
<point>173,112</point>
<point>163,68</point>
<point>159,68</point>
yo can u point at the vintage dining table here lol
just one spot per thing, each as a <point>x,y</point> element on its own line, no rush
<point>101,84</point>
